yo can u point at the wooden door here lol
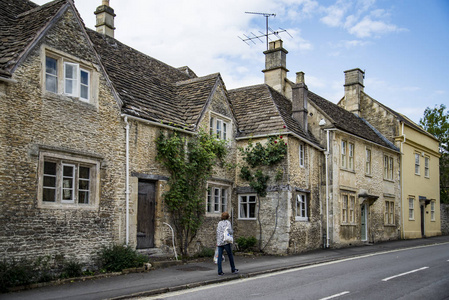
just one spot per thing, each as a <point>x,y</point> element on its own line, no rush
<point>145,214</point>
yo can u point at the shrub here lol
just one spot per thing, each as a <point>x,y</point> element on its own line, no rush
<point>119,257</point>
<point>246,243</point>
<point>206,252</point>
<point>71,269</point>
<point>15,273</point>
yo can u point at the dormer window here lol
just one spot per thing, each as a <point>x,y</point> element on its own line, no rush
<point>220,126</point>
<point>68,77</point>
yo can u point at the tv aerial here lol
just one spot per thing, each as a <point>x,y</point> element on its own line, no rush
<point>268,30</point>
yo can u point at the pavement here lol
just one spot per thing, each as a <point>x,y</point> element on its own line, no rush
<point>199,273</point>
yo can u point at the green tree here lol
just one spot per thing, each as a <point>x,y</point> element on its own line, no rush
<point>190,162</point>
<point>436,122</point>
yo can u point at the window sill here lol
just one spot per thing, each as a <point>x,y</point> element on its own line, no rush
<point>347,170</point>
<point>247,219</point>
<point>302,219</point>
<point>389,225</point>
<point>348,224</point>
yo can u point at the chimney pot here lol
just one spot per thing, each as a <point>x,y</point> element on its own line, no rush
<point>300,77</point>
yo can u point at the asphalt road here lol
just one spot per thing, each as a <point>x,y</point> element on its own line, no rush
<point>417,273</point>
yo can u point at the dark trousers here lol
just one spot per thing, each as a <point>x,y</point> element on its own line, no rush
<point>228,249</point>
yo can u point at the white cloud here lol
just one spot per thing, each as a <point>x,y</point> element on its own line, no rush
<point>368,27</point>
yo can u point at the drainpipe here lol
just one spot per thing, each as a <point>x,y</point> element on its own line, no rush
<point>402,181</point>
<point>327,188</point>
<point>127,180</point>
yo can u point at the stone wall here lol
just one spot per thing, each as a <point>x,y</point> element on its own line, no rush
<point>444,218</point>
<point>34,121</point>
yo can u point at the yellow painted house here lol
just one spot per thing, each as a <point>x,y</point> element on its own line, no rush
<point>419,160</point>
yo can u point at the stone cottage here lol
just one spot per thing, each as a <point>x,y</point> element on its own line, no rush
<point>361,177</point>
<point>419,159</point>
<point>62,158</point>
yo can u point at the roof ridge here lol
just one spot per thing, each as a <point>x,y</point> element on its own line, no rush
<point>39,7</point>
<point>197,79</point>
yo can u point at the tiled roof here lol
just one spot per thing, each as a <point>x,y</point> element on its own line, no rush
<point>20,23</point>
<point>403,118</point>
<point>261,110</point>
<point>349,122</point>
<point>149,88</point>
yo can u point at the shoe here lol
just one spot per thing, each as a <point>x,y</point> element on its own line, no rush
<point>220,274</point>
<point>236,271</point>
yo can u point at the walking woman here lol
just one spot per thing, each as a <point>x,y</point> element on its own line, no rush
<point>221,244</point>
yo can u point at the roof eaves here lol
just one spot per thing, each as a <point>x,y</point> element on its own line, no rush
<point>40,34</point>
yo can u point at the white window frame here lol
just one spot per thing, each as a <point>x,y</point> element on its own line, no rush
<point>250,201</point>
<point>301,155</point>
<point>220,126</point>
<point>417,164</point>
<point>62,78</point>
<point>217,199</point>
<point>75,181</point>
<point>427,167</point>
<point>302,207</point>
<point>411,208</point>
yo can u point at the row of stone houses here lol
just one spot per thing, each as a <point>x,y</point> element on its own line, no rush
<point>81,112</point>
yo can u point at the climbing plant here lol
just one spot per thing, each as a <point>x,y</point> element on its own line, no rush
<point>257,156</point>
<point>190,162</point>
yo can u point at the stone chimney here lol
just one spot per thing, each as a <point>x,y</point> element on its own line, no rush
<point>299,101</point>
<point>275,66</point>
<point>353,88</point>
<point>105,19</point>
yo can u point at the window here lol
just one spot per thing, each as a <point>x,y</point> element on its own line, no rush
<point>343,153</point>
<point>351,157</point>
<point>432,211</point>
<point>411,208</point>
<point>348,208</point>
<point>368,162</point>
<point>247,207</point>
<point>64,181</point>
<point>75,80</point>
<point>351,208</point>
<point>217,199</point>
<point>426,167</point>
<point>301,207</point>
<point>416,164</point>
<point>388,167</point>
<point>219,127</point>
<point>389,212</point>
<point>51,74</point>
<point>301,155</point>
<point>344,211</point>
<point>347,155</point>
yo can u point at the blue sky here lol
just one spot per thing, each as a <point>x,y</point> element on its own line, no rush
<point>402,45</point>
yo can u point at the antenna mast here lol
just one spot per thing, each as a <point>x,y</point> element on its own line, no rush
<point>267,33</point>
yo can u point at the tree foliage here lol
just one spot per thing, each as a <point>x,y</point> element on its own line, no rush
<point>190,162</point>
<point>436,122</point>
